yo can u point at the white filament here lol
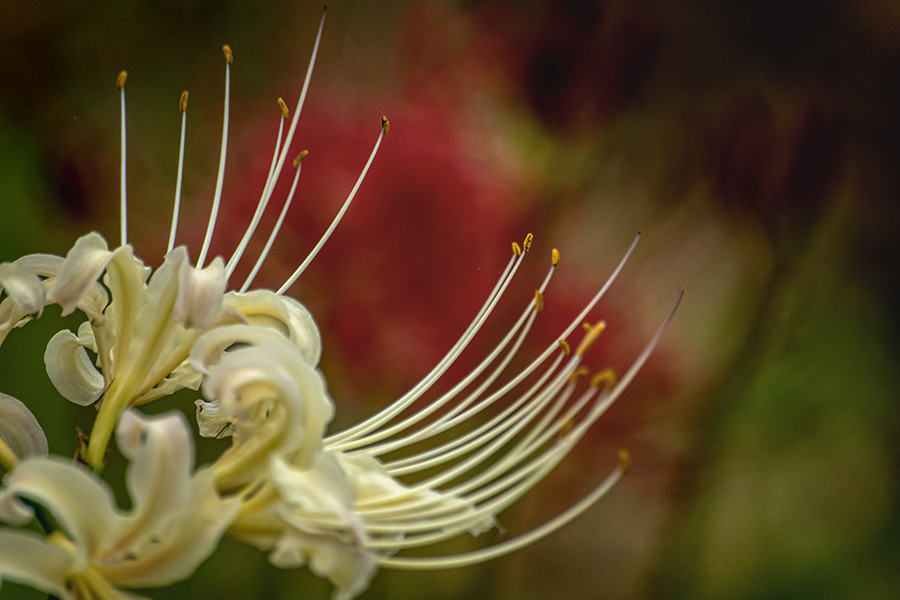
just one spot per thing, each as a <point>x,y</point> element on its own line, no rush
<point>123,207</point>
<point>214,211</point>
<point>177,207</point>
<point>334,223</point>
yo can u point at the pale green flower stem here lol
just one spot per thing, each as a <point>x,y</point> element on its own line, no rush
<point>121,396</point>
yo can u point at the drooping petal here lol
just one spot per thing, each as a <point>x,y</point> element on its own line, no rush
<point>23,286</point>
<point>283,313</point>
<point>200,294</point>
<point>31,559</point>
<point>70,368</point>
<point>80,270</point>
<point>20,430</point>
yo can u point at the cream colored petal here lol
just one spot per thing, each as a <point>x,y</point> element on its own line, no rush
<point>184,377</point>
<point>200,294</point>
<point>70,368</point>
<point>28,558</point>
<point>23,286</point>
<point>82,504</point>
<point>282,313</point>
<point>261,362</point>
<point>43,265</point>
<point>306,496</point>
<point>20,430</point>
<point>178,516</point>
<point>80,270</point>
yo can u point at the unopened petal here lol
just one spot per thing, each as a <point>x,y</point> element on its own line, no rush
<point>200,294</point>
<point>20,430</point>
<point>70,368</point>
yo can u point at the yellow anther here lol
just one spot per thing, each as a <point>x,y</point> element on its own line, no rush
<point>517,250</point>
<point>554,257</point>
<point>385,125</point>
<point>300,158</point>
<point>591,336</point>
<point>526,245</point>
<point>578,374</point>
<point>284,109</point>
<point>538,301</point>
<point>606,378</point>
<point>229,57</point>
<point>566,428</point>
<point>624,461</point>
<point>567,350</point>
<point>587,327</point>
<point>120,80</point>
<point>182,102</point>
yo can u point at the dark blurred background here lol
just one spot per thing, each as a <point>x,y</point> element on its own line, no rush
<point>754,144</point>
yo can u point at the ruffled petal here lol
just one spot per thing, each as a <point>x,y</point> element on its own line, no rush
<point>321,528</point>
<point>200,294</point>
<point>20,430</point>
<point>23,286</point>
<point>80,270</point>
<point>70,368</point>
<point>178,516</point>
<point>31,559</point>
<point>282,313</point>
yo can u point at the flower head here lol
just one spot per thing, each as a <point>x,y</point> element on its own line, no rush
<point>344,503</point>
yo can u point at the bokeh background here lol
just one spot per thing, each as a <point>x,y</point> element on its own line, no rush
<point>755,145</point>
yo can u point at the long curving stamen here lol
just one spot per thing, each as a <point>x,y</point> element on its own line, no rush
<point>522,327</point>
<point>123,206</point>
<point>399,405</point>
<point>263,199</point>
<point>182,106</point>
<point>425,515</point>
<point>385,124</point>
<point>217,197</point>
<point>497,550</point>
<point>298,163</point>
<point>407,399</point>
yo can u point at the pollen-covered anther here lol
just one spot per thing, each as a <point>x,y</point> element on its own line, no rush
<point>517,249</point>
<point>182,102</point>
<point>303,154</point>
<point>567,350</point>
<point>593,332</point>
<point>526,245</point>
<point>554,257</point>
<point>385,124</point>
<point>624,461</point>
<point>538,301</point>
<point>566,428</point>
<point>229,56</point>
<point>284,108</point>
<point>120,80</point>
<point>605,378</point>
<point>578,373</point>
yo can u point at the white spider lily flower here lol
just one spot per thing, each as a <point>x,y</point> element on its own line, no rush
<point>175,523</point>
<point>21,435</point>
